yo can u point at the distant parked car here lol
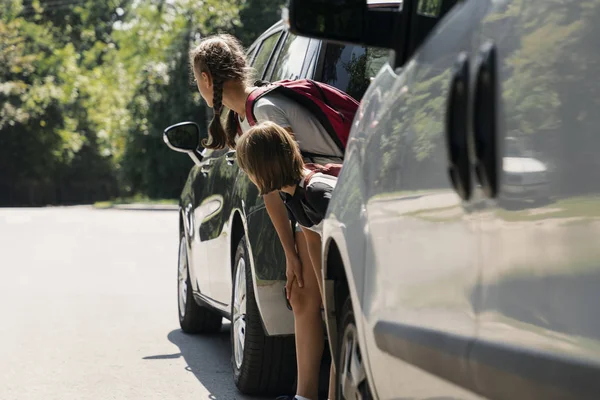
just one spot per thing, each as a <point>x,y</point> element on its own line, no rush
<point>526,178</point>
<point>231,263</point>
<point>435,289</point>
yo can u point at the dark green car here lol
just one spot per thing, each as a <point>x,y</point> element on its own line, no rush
<point>231,263</point>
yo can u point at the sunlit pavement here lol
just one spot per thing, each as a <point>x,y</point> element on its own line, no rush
<point>89,310</point>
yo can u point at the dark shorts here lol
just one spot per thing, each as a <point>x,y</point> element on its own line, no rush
<point>296,227</point>
<point>313,159</point>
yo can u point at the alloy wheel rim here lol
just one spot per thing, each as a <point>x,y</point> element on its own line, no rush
<point>352,373</point>
<point>239,313</point>
<point>182,278</point>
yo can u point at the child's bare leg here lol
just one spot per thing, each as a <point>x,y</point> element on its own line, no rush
<point>313,241</point>
<point>306,305</point>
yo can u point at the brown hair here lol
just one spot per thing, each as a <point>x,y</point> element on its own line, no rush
<point>271,156</point>
<point>223,58</point>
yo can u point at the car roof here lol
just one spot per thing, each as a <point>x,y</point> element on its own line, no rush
<point>281,24</point>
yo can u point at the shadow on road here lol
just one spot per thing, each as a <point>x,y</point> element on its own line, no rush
<point>208,357</point>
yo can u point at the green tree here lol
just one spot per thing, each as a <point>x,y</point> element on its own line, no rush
<point>255,17</point>
<point>47,119</point>
<point>87,88</point>
<point>164,91</point>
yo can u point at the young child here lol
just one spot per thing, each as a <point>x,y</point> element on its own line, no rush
<point>272,159</point>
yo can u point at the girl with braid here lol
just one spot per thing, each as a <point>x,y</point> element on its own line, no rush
<point>223,78</point>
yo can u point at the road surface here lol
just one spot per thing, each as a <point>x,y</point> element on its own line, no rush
<point>88,310</point>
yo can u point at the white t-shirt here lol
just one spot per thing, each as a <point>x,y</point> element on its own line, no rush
<point>308,131</point>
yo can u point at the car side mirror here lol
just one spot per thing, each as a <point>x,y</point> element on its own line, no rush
<point>185,137</point>
<point>345,21</point>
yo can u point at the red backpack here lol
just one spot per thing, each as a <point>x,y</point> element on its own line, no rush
<point>333,108</point>
<point>327,169</point>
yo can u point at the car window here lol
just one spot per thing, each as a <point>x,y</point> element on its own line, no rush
<point>291,59</point>
<point>312,57</point>
<point>264,54</point>
<point>350,68</point>
<point>276,55</point>
<point>250,55</point>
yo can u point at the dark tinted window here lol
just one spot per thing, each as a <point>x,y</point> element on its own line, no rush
<point>350,68</point>
<point>291,59</point>
<point>276,53</point>
<point>264,53</point>
<point>312,57</point>
<point>251,54</point>
<point>429,8</point>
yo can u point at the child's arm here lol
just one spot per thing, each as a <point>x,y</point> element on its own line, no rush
<point>278,214</point>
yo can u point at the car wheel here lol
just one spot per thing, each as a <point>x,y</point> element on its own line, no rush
<point>261,364</point>
<point>351,376</point>
<point>193,318</point>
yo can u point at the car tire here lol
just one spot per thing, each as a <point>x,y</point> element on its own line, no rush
<point>193,318</point>
<point>261,364</point>
<point>349,359</point>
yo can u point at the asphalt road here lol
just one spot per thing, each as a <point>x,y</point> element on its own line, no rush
<point>88,310</point>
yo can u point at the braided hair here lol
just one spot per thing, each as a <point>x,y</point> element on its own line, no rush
<point>223,58</point>
<point>217,97</point>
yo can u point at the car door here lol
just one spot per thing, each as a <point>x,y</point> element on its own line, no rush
<point>539,335</point>
<point>422,255</point>
<point>202,209</point>
<point>217,228</point>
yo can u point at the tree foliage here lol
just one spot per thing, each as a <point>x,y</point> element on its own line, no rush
<point>87,88</point>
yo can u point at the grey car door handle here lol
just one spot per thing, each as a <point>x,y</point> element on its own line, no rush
<point>230,157</point>
<point>485,121</point>
<point>457,128</point>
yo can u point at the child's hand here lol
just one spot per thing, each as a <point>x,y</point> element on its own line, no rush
<point>293,271</point>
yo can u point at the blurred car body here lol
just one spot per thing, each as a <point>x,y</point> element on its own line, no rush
<point>435,288</point>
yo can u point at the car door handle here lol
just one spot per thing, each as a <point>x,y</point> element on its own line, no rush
<point>457,128</point>
<point>485,121</point>
<point>230,157</point>
<point>206,166</point>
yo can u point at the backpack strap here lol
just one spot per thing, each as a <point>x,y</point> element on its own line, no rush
<point>308,177</point>
<point>314,168</point>
<point>254,96</point>
<point>250,106</point>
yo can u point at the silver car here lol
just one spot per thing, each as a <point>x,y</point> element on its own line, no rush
<point>435,289</point>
